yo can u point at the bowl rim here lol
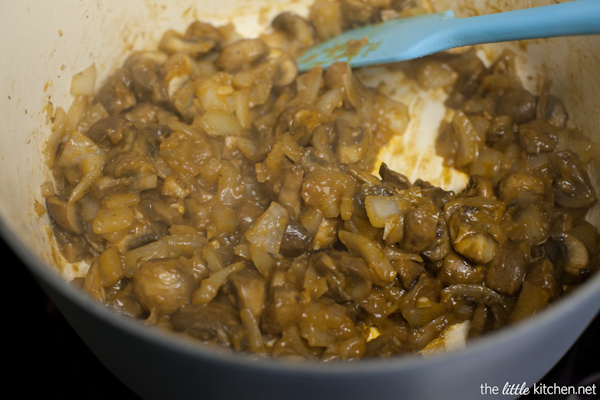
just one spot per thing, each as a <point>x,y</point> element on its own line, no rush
<point>477,347</point>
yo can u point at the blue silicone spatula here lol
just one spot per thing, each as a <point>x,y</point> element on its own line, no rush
<point>408,38</point>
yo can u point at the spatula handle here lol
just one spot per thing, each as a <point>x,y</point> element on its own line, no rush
<point>579,17</point>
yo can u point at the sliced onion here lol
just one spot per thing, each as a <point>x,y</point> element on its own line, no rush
<point>84,83</point>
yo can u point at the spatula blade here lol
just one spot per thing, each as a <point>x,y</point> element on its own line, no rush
<point>363,45</point>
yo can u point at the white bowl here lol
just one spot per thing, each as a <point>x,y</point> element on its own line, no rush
<point>45,43</point>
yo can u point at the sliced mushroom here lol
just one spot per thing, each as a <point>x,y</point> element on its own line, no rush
<point>240,53</point>
<point>506,271</point>
<point>520,184</point>
<point>204,32</point>
<point>178,71</point>
<point>530,224</point>
<point>352,143</point>
<point>501,128</point>
<point>519,104</point>
<point>531,300</point>
<point>286,72</point>
<point>499,315</point>
<point>542,273</point>
<point>348,278</point>
<point>141,232</point>
<point>322,143</point>
<point>456,270</point>
<point>156,56</point>
<point>173,42</point>
<point>396,179</point>
<point>427,287</point>
<point>74,248</point>
<point>326,267</point>
<point>162,286</point>
<point>446,143</point>
<point>555,112</point>
<point>576,256</point>
<point>300,121</point>
<point>112,129</point>
<point>159,211</point>
<point>124,303</point>
<point>339,75</point>
<point>116,94</point>
<point>212,322</point>
<point>357,275</point>
<point>65,214</point>
<point>129,163</point>
<point>588,234</point>
<point>537,137</point>
<point>438,196</point>
<point>572,187</point>
<point>327,18</point>
<point>474,226</point>
<point>295,27</point>
<point>291,186</point>
<point>153,135</point>
<point>441,246</point>
<point>296,240</point>
<point>148,83</point>
<point>479,293</point>
<point>408,271</point>
<point>550,108</point>
<point>358,13</point>
<point>470,141</point>
<point>420,229</point>
<point>479,186</point>
<point>146,113</point>
<point>471,72</point>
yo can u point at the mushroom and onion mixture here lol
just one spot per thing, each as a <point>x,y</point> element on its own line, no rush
<point>217,192</point>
